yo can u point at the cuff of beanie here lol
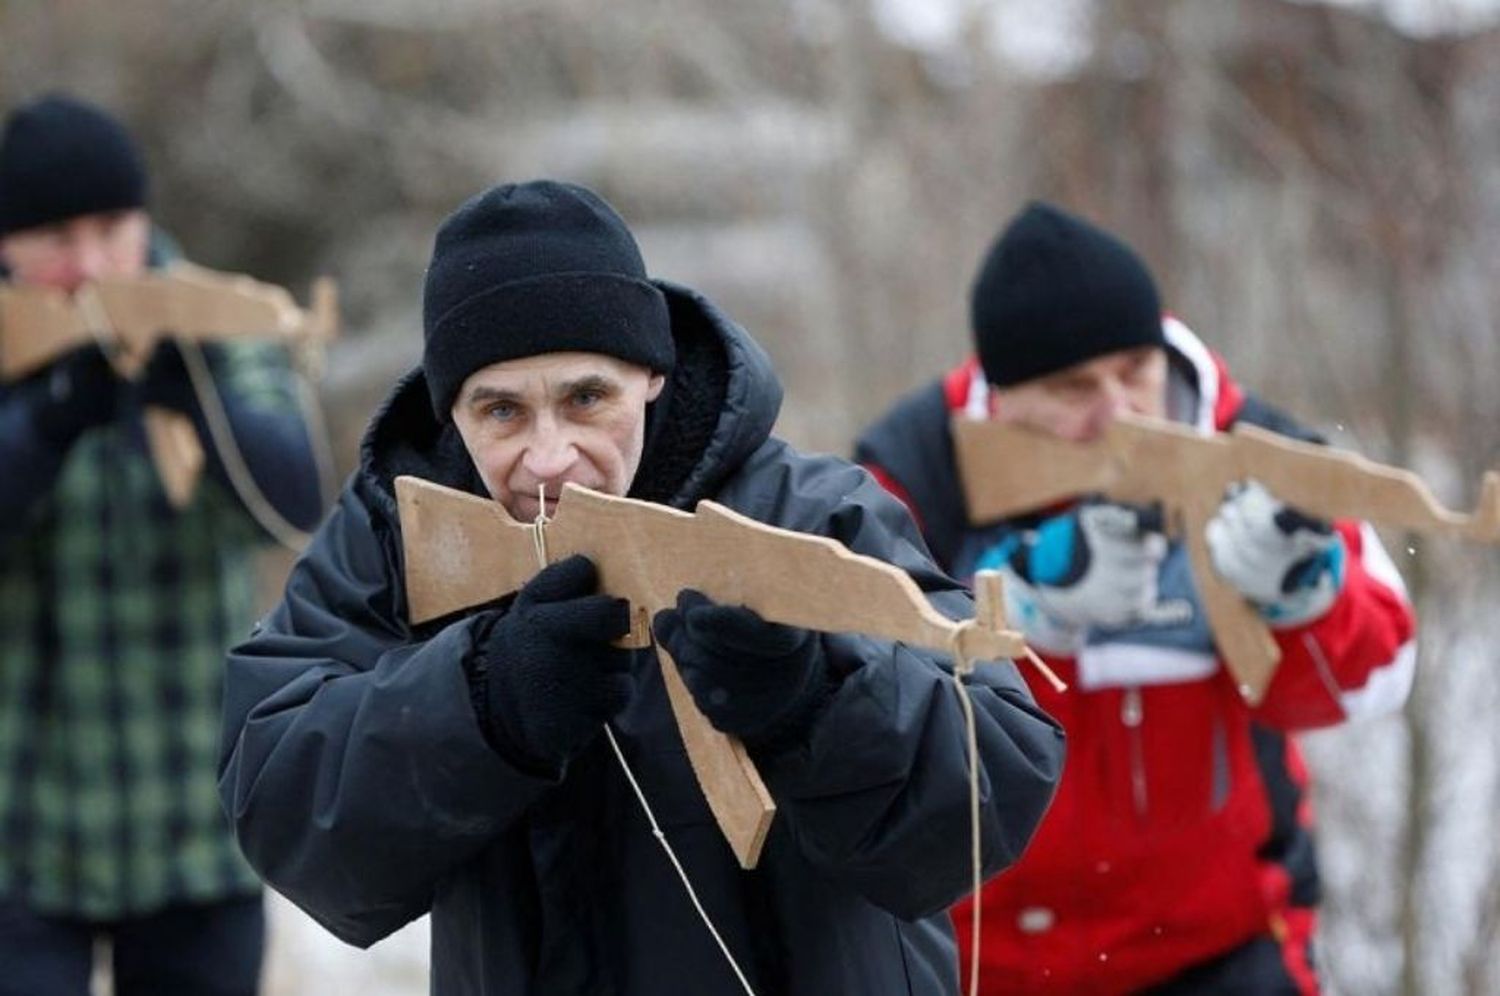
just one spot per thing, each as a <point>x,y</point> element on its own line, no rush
<point>618,316</point>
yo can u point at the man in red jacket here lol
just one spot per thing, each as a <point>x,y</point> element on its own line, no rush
<point>1177,856</point>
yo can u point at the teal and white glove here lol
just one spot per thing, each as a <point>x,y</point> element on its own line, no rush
<point>1094,566</point>
<point>1290,565</point>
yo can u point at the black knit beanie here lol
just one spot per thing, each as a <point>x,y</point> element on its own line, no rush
<point>1055,290</point>
<point>529,268</point>
<point>61,158</point>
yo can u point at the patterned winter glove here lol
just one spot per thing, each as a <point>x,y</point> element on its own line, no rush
<point>75,394</point>
<point>759,681</point>
<point>1290,565</point>
<point>543,674</point>
<point>165,382</point>
<point>1095,565</point>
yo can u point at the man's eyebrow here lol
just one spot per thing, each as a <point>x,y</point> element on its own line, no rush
<point>483,394</point>
<point>597,383</point>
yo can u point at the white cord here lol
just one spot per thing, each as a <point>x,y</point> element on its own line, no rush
<point>971,731</point>
<point>661,837</point>
<point>207,392</point>
<point>233,460</point>
<point>539,544</point>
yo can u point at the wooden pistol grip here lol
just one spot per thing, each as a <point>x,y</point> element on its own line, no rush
<point>1244,640</point>
<point>738,798</point>
<point>176,452</point>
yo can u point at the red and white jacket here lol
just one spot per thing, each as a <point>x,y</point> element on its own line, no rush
<point>1181,827</point>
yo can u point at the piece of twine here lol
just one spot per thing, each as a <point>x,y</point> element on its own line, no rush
<point>539,544</point>
<point>232,458</point>
<point>216,417</point>
<point>962,668</point>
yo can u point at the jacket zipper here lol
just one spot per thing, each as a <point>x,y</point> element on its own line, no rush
<point>1132,713</point>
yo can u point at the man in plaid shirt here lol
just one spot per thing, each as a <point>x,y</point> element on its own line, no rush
<point>116,609</point>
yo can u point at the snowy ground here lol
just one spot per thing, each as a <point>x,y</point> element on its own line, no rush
<point>305,960</point>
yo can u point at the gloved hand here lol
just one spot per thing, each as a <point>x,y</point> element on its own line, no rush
<point>1095,565</point>
<point>544,675</point>
<point>73,395</point>
<point>759,681</point>
<point>165,382</point>
<point>1289,564</point>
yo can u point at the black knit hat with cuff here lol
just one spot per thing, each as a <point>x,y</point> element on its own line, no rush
<point>1055,291</point>
<point>61,158</point>
<point>531,268</point>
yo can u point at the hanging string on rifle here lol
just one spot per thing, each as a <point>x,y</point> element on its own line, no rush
<point>307,369</point>
<point>233,460</point>
<point>539,543</point>
<point>97,320</point>
<point>539,528</point>
<point>217,419</point>
<point>961,669</point>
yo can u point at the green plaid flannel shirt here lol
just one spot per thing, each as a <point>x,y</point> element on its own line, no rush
<point>115,615</point>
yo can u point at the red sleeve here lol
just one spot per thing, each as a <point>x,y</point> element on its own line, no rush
<point>1357,660</point>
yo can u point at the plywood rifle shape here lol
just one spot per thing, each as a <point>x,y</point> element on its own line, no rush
<point>129,316</point>
<point>1143,460</point>
<point>462,551</point>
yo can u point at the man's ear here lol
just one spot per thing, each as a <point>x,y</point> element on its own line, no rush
<point>654,386</point>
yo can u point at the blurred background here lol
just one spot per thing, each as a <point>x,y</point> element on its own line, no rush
<point>1316,185</point>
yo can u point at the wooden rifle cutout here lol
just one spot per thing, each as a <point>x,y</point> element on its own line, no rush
<point>461,550</point>
<point>1141,460</point>
<point>129,316</point>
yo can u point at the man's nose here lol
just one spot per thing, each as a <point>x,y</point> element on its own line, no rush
<point>550,455</point>
<point>1109,401</point>
<point>1115,396</point>
<point>86,260</point>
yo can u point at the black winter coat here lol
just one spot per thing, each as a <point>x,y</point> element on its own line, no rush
<point>360,786</point>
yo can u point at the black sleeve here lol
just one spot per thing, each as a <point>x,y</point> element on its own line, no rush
<point>29,465</point>
<point>1254,411</point>
<point>883,774</point>
<point>353,768</point>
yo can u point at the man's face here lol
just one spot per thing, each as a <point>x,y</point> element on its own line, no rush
<point>551,419</point>
<point>67,253</point>
<point>1077,403</point>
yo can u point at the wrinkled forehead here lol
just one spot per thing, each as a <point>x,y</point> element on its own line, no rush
<point>546,372</point>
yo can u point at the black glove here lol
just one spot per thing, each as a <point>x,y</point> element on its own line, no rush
<point>759,681</point>
<point>544,675</point>
<point>165,382</point>
<point>73,395</point>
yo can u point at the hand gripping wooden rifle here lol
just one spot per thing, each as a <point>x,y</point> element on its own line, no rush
<point>127,317</point>
<point>461,551</point>
<point>1144,460</point>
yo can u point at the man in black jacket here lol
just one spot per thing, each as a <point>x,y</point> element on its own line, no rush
<point>375,771</point>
